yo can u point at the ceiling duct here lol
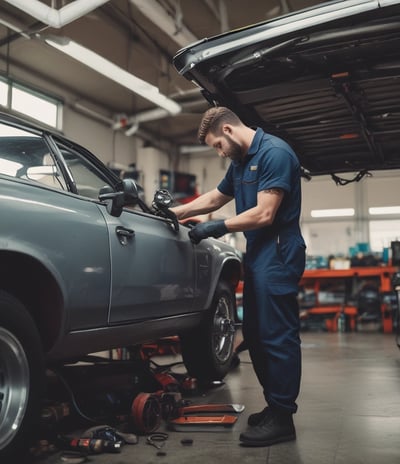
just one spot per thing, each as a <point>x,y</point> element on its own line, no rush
<point>53,17</point>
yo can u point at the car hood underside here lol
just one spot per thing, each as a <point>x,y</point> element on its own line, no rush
<point>331,89</point>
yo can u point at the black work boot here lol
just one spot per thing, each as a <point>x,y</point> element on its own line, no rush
<point>274,428</point>
<point>258,417</point>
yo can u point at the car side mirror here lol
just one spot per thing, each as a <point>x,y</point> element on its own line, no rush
<point>127,194</point>
<point>161,203</point>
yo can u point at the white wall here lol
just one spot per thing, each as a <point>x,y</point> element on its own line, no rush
<point>383,189</point>
<point>98,138</point>
<point>334,235</point>
<point>149,162</point>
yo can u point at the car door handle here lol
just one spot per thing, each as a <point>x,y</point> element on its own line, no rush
<point>124,234</point>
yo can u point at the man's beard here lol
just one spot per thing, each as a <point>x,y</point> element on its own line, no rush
<point>235,151</point>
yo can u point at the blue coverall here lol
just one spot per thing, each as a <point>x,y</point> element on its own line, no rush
<point>273,265</point>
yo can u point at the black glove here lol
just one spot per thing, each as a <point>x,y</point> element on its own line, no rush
<point>207,229</point>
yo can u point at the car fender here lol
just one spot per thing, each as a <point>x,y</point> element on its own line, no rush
<point>216,261</point>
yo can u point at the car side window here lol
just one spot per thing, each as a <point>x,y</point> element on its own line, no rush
<point>87,176</point>
<point>25,155</point>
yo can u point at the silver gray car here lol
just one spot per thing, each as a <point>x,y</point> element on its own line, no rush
<point>86,265</point>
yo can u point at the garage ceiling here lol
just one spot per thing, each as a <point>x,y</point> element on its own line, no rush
<point>139,36</point>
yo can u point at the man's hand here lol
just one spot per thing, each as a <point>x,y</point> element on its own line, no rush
<point>207,229</point>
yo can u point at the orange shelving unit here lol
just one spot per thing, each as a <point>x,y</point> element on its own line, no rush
<point>344,281</point>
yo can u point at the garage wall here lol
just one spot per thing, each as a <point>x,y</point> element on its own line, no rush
<point>383,190</point>
<point>149,162</point>
<point>337,235</point>
<point>322,193</point>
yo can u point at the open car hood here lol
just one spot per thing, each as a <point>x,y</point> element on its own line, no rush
<point>326,79</point>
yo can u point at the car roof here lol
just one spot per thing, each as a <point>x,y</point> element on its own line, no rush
<point>326,79</point>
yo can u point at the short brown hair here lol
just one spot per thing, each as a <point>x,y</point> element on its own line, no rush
<point>213,119</point>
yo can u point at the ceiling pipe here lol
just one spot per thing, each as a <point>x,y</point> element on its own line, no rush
<point>131,123</point>
<point>53,17</point>
<point>135,120</point>
<point>14,27</point>
<point>110,70</point>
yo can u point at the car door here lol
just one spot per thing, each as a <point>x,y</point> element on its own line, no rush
<point>152,265</point>
<point>153,269</point>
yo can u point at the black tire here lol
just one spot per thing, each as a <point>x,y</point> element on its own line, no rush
<point>22,376</point>
<point>207,351</point>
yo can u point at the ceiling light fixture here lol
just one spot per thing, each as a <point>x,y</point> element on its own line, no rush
<point>384,210</point>
<point>113,72</point>
<point>341,212</point>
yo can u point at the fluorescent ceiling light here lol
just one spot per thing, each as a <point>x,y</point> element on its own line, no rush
<point>114,72</point>
<point>384,210</point>
<point>341,212</point>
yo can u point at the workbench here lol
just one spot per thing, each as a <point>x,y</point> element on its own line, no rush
<point>333,294</point>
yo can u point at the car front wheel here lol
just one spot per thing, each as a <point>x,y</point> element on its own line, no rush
<point>21,378</point>
<point>207,350</point>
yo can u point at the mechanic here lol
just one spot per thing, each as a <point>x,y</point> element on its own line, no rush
<point>264,178</point>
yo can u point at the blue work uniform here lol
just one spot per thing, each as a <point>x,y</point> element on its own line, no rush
<point>273,265</point>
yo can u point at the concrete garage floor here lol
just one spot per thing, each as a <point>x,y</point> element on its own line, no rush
<point>349,410</point>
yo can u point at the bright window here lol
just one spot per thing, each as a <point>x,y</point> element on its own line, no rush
<point>35,106</point>
<point>381,233</point>
<point>30,103</point>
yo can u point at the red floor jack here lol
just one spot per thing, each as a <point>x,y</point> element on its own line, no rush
<point>149,409</point>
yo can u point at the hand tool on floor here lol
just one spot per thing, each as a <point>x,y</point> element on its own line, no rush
<point>105,432</point>
<point>157,439</point>
<point>95,445</point>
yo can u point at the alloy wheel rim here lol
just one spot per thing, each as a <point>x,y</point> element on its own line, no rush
<point>224,331</point>
<point>14,386</point>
